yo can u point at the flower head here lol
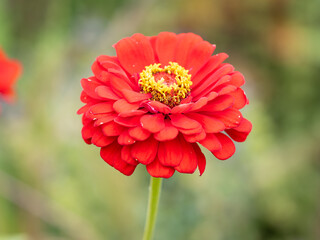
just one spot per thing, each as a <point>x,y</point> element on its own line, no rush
<point>10,70</point>
<point>159,98</point>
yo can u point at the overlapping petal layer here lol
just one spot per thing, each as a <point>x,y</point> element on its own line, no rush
<point>131,129</point>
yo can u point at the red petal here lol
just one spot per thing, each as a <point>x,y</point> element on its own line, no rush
<point>185,43</point>
<point>118,85</point>
<point>153,123</point>
<point>107,62</point>
<point>182,108</point>
<point>156,169</point>
<point>170,152</point>
<point>240,98</point>
<point>212,96</point>
<point>133,96</point>
<point>200,157</point>
<point>244,126</point>
<point>225,89</point>
<point>128,121</point>
<point>88,131</point>
<point>165,47</point>
<point>214,86</point>
<point>225,80</point>
<point>126,155</point>
<point>132,113</point>
<point>86,121</point>
<point>189,159</point>
<point>155,107</point>
<point>199,56</point>
<point>84,109</point>
<point>112,129</point>
<point>111,153</point>
<point>207,69</point>
<point>145,151</point>
<point>224,69</point>
<point>124,167</point>
<point>89,86</point>
<point>211,142</point>
<point>199,104</point>
<point>237,79</point>
<point>227,149</point>
<point>85,98</point>
<point>106,93</point>
<point>99,108</point>
<point>182,121</point>
<point>195,137</point>
<point>139,133</point>
<point>10,70</point>
<point>123,106</point>
<point>218,104</point>
<point>125,139</point>
<point>112,65</point>
<point>153,40</point>
<point>99,72</point>
<point>101,140</point>
<point>168,133</point>
<point>191,131</point>
<point>230,117</point>
<point>135,53</point>
<point>108,118</point>
<point>186,100</point>
<point>209,124</point>
<point>241,132</point>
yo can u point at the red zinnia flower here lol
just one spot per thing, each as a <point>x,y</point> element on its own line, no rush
<point>10,70</point>
<point>157,99</point>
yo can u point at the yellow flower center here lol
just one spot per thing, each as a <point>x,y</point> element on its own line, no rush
<point>168,85</point>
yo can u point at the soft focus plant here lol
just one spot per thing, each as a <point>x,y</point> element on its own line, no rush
<point>10,71</point>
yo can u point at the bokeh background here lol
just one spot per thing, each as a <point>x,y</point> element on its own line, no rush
<point>55,187</point>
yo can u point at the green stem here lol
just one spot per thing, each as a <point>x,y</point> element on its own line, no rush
<point>154,196</point>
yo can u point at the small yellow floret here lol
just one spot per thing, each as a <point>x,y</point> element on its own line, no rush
<point>171,93</point>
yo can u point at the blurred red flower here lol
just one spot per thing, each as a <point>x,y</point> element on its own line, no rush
<point>157,99</point>
<point>10,70</point>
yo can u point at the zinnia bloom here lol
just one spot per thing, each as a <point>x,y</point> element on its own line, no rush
<point>10,70</point>
<point>159,98</point>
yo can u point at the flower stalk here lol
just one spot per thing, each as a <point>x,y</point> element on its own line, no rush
<point>154,196</point>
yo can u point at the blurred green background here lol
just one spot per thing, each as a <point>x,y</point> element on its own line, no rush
<point>55,187</point>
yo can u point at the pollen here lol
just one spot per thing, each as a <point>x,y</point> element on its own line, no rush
<point>168,85</point>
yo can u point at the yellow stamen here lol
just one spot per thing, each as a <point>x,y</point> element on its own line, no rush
<point>168,85</point>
